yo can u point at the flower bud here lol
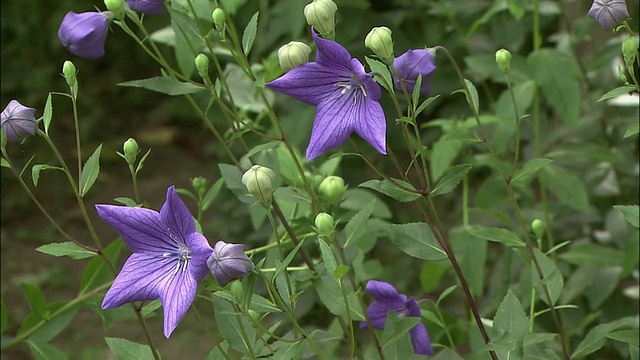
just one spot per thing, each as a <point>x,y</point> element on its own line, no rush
<point>538,228</point>
<point>609,13</point>
<point>131,150</point>
<point>380,42</point>
<point>630,49</point>
<point>149,7</point>
<point>293,54</point>
<point>199,183</point>
<point>84,34</point>
<point>219,21</point>
<point>503,59</point>
<point>18,121</point>
<point>116,7</point>
<point>202,64</point>
<point>255,316</point>
<point>69,72</point>
<point>324,224</point>
<point>332,189</point>
<point>236,290</point>
<point>259,182</point>
<point>320,14</point>
<point>228,262</point>
<point>412,64</point>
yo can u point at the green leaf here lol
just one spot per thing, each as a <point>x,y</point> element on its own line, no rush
<point>355,228</point>
<point>229,323</point>
<point>627,336</point>
<point>415,239</point>
<point>262,147</point>
<point>35,298</point>
<point>630,212</point>
<point>35,171</point>
<point>52,325</point>
<point>390,189</point>
<point>450,179</point>
<point>42,350</point>
<point>341,271</point>
<point>557,76</point>
<point>233,179</point>
<point>633,129</point>
<point>552,277</point>
<point>530,168</point>
<point>396,327</point>
<point>258,303</point>
<point>504,236</point>
<point>249,34</point>
<point>164,85</point>
<point>69,249</point>
<point>620,90</point>
<point>97,272</point>
<point>126,201</point>
<point>211,195</point>
<point>141,162</point>
<point>594,255</point>
<point>426,104</point>
<point>292,194</point>
<point>328,257</point>
<point>566,186</point>
<point>380,68</point>
<point>282,266</point>
<point>510,318</point>
<point>415,95</point>
<point>91,170</point>
<point>443,153</point>
<point>596,337</point>
<point>48,114</point>
<point>4,163</point>
<point>471,96</point>
<point>125,349</point>
<point>446,293</point>
<point>517,8</point>
<point>330,293</point>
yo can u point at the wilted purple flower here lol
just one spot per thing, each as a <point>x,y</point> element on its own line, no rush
<point>413,63</point>
<point>150,7</point>
<point>169,257</point>
<point>228,262</point>
<point>609,13</point>
<point>345,96</point>
<point>18,121</point>
<point>84,34</point>
<point>388,298</point>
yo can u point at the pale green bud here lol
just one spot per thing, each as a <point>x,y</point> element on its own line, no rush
<point>321,15</point>
<point>237,291</point>
<point>503,59</point>
<point>293,54</point>
<point>202,64</point>
<point>379,41</point>
<point>69,72</point>
<point>131,150</point>
<point>324,224</point>
<point>259,182</point>
<point>200,185</point>
<point>630,49</point>
<point>332,189</point>
<point>538,228</point>
<point>116,7</point>
<point>254,315</point>
<point>219,21</point>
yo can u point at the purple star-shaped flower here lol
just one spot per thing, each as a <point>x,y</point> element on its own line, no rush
<point>169,257</point>
<point>609,13</point>
<point>388,299</point>
<point>345,96</point>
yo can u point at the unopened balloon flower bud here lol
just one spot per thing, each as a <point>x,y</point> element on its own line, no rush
<point>332,189</point>
<point>293,54</point>
<point>503,59</point>
<point>85,34</point>
<point>324,224</point>
<point>228,262</point>
<point>219,21</point>
<point>259,182</point>
<point>131,150</point>
<point>379,41</point>
<point>116,7</point>
<point>321,15</point>
<point>69,72</point>
<point>538,228</point>
<point>202,64</point>
<point>18,121</point>
<point>630,49</point>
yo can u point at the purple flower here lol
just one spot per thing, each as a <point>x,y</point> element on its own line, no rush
<point>84,34</point>
<point>228,262</point>
<point>388,298</point>
<point>345,96</point>
<point>413,63</point>
<point>169,257</point>
<point>609,13</point>
<point>150,7</point>
<point>18,121</point>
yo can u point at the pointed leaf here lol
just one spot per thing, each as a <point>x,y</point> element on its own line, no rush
<point>91,170</point>
<point>66,249</point>
<point>35,171</point>
<point>415,239</point>
<point>630,212</point>
<point>552,277</point>
<point>620,90</point>
<point>530,168</point>
<point>48,114</point>
<point>507,237</point>
<point>125,349</point>
<point>390,189</point>
<point>566,186</point>
<point>249,34</point>
<point>450,179</point>
<point>355,228</point>
<point>164,85</point>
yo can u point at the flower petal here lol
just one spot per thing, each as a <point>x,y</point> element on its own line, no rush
<point>377,313</point>
<point>139,280</point>
<point>333,124</point>
<point>141,229</point>
<point>176,216</point>
<point>371,124</point>
<point>420,340</point>
<point>199,250</point>
<point>310,82</point>
<point>177,294</point>
<point>382,291</point>
<point>371,87</point>
<point>330,53</point>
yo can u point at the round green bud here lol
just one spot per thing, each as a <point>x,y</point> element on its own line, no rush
<point>202,64</point>
<point>324,224</point>
<point>131,150</point>
<point>630,48</point>
<point>237,291</point>
<point>293,54</point>
<point>200,185</point>
<point>321,15</point>
<point>219,18</point>
<point>332,189</point>
<point>379,41</point>
<point>259,182</point>
<point>255,316</point>
<point>116,7</point>
<point>503,59</point>
<point>538,228</point>
<point>69,72</point>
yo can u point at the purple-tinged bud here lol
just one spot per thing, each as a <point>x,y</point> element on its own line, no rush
<point>259,182</point>
<point>332,189</point>
<point>413,63</point>
<point>228,262</point>
<point>293,54</point>
<point>321,15</point>
<point>18,121</point>
<point>609,13</point>
<point>324,224</point>
<point>149,7</point>
<point>379,41</point>
<point>116,7</point>
<point>84,34</point>
<point>503,59</point>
